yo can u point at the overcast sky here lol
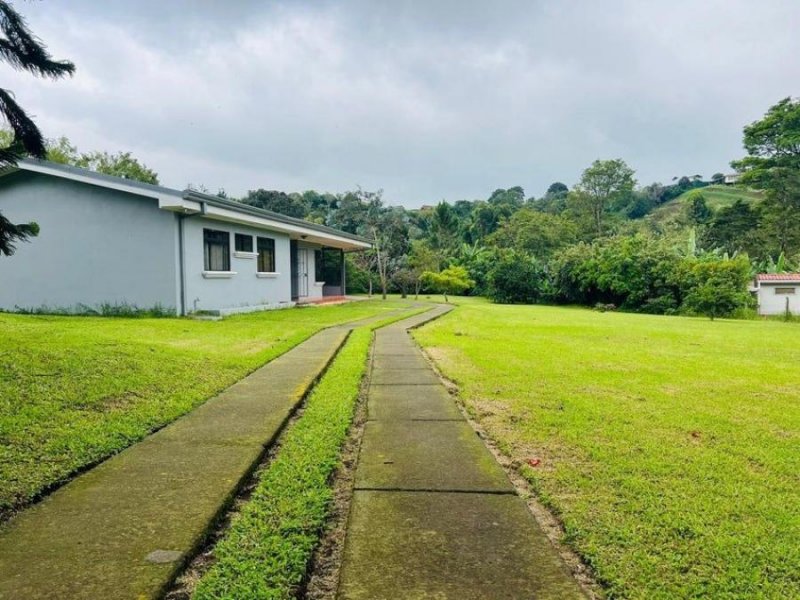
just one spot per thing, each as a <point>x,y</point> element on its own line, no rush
<point>428,100</point>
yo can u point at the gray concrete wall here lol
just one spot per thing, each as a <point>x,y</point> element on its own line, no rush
<point>95,246</point>
<point>244,289</point>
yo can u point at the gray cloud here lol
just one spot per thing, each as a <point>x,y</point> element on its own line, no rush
<point>427,100</point>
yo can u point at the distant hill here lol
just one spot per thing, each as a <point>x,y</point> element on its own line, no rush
<point>717,196</point>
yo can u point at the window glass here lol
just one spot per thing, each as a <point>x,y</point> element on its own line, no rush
<point>217,250</point>
<point>244,242</point>
<point>266,255</point>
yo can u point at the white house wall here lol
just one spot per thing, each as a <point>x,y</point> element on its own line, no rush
<point>244,289</point>
<point>770,303</point>
<point>95,246</point>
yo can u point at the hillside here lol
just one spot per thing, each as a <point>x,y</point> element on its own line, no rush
<point>717,196</point>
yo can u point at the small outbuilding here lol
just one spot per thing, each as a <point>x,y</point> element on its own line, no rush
<point>108,241</point>
<point>778,293</point>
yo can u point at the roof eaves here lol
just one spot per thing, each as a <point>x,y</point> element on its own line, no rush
<point>268,214</point>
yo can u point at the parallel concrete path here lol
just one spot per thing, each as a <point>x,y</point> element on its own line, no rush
<point>124,529</point>
<point>433,514</point>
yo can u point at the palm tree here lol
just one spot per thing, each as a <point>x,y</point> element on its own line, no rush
<point>23,51</point>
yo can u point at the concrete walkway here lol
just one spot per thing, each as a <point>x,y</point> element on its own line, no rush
<point>433,514</point>
<point>125,528</point>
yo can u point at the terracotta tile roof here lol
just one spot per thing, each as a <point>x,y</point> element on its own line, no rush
<point>778,277</point>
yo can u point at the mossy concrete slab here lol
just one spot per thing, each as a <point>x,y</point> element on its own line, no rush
<point>427,455</point>
<point>403,360</point>
<point>97,536</point>
<point>418,320</point>
<point>414,545</point>
<point>411,402</point>
<point>413,376</point>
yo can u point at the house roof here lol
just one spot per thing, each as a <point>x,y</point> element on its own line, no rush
<point>192,202</point>
<point>778,277</point>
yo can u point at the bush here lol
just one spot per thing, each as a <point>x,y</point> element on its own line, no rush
<point>518,279</point>
<point>717,287</point>
<point>634,273</point>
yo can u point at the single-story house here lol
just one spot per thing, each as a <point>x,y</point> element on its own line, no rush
<point>732,178</point>
<point>112,241</point>
<point>777,292</point>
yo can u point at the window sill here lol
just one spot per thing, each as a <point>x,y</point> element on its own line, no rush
<point>240,254</point>
<point>272,275</point>
<point>218,274</point>
<point>319,283</point>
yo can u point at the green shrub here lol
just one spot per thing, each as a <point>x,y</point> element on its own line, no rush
<point>518,279</point>
<point>717,287</point>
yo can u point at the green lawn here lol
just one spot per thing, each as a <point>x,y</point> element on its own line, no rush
<point>74,390</point>
<point>669,446</point>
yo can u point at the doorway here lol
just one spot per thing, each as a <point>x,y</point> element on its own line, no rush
<point>301,271</point>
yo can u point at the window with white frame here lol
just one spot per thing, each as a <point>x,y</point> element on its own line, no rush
<point>217,250</point>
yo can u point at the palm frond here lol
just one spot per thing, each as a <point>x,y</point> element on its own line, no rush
<point>22,50</point>
<point>11,233</point>
<point>27,137</point>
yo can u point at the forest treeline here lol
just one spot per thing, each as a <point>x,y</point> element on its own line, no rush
<point>605,241</point>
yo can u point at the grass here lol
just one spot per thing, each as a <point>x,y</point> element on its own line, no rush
<point>74,390</point>
<point>265,553</point>
<point>669,446</point>
<point>716,196</point>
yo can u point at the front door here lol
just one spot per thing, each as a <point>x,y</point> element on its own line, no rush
<point>302,271</point>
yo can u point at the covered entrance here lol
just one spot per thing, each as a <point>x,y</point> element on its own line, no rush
<point>318,272</point>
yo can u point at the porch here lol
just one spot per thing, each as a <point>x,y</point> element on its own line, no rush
<point>317,273</point>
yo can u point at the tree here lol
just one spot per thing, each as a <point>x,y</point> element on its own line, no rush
<point>773,165</point>
<point>23,51</point>
<point>718,178</point>
<point>422,258</point>
<point>718,288</point>
<point>556,189</point>
<point>699,212</point>
<point>62,151</point>
<point>350,212</point>
<point>444,226</point>
<point>735,228</point>
<point>278,202</point>
<point>120,164</point>
<point>533,232</point>
<point>603,183</point>
<point>453,280</point>
<point>387,230</point>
